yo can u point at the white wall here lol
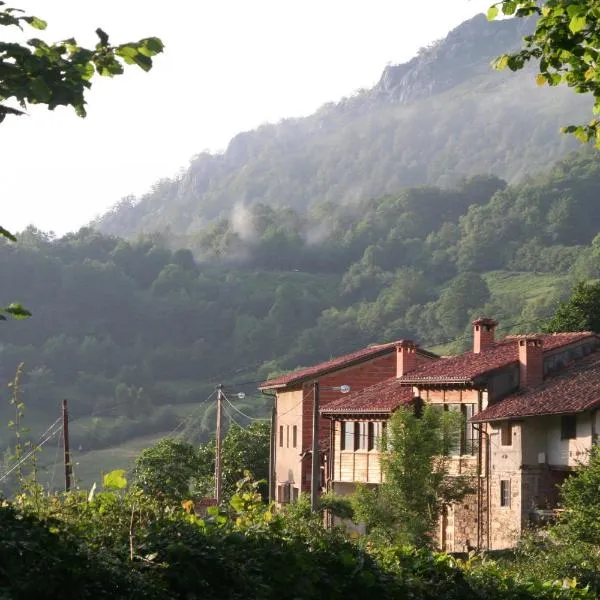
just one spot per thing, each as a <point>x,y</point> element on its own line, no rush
<point>287,458</point>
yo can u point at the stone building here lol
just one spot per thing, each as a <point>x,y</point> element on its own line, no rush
<point>530,416</point>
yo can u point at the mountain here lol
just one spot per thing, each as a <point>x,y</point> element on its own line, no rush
<point>136,335</point>
<point>443,115</point>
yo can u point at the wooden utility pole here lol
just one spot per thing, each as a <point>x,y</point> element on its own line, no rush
<point>67,455</point>
<point>218,450</point>
<point>316,464</point>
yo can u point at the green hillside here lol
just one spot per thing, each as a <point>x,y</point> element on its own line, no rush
<point>136,335</point>
<point>443,115</point>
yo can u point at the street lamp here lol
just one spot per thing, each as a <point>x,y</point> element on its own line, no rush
<point>316,466</point>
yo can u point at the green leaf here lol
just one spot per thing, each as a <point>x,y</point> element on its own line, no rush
<point>42,93</point>
<point>144,62</point>
<point>115,480</point>
<point>577,24</point>
<point>492,12</point>
<point>17,311</point>
<point>7,234</point>
<point>35,22</point>
<point>501,62</point>
<point>509,7</point>
<point>153,45</point>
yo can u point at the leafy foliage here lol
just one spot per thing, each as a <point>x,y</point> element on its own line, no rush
<point>118,545</point>
<point>172,471</point>
<point>581,312</point>
<point>59,74</point>
<point>164,471</point>
<point>406,507</point>
<point>565,42</point>
<point>580,520</point>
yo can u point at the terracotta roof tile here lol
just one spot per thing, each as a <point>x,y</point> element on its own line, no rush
<point>334,364</point>
<point>381,398</point>
<point>468,366</point>
<point>570,391</point>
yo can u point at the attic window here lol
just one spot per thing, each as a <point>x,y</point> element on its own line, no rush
<point>568,427</point>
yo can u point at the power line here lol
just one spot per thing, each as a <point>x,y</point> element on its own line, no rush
<point>241,412</point>
<point>33,450</point>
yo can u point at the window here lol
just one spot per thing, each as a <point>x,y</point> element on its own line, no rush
<point>281,436</point>
<point>295,436</point>
<point>347,438</point>
<point>568,427</point>
<point>506,434</point>
<point>505,493</point>
<point>456,445</point>
<point>374,438</point>
<point>361,435</point>
<point>283,493</point>
<point>287,436</point>
<point>467,441</point>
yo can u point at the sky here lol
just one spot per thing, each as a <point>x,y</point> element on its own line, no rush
<point>228,66</point>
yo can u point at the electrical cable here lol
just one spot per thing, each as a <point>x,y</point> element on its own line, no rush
<point>32,451</point>
<point>241,412</point>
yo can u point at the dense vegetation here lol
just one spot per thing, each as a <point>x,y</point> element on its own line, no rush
<point>136,334</point>
<point>443,115</point>
<point>120,543</point>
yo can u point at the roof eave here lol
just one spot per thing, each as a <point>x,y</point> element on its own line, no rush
<point>325,371</point>
<point>350,413</point>
<point>419,381</point>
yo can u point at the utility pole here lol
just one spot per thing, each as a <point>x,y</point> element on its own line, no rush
<point>67,455</point>
<point>218,445</point>
<point>316,464</point>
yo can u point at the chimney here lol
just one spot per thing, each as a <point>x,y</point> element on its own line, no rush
<point>531,361</point>
<point>406,357</point>
<point>483,334</point>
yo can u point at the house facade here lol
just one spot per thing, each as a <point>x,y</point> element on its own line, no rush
<point>294,397</point>
<point>529,419</point>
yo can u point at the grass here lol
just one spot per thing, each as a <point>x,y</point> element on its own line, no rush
<point>528,286</point>
<point>90,466</point>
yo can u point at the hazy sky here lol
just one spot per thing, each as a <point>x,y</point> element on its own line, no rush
<point>228,66</point>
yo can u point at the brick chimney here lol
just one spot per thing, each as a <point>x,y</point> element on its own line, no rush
<point>531,361</point>
<point>483,334</point>
<point>406,357</point>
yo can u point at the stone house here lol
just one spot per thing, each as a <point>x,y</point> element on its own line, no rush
<point>291,438</point>
<point>529,405</point>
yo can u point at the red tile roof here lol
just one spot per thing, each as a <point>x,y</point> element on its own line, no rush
<point>334,364</point>
<point>571,391</point>
<point>381,398</point>
<point>468,366</point>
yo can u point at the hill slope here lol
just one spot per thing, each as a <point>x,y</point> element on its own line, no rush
<point>443,115</point>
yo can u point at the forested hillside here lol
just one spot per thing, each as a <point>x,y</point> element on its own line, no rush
<point>136,335</point>
<point>443,115</point>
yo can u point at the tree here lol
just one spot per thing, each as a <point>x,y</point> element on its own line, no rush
<point>566,41</point>
<point>59,74</point>
<point>165,471</point>
<point>581,312</point>
<point>244,449</point>
<point>580,520</point>
<point>406,507</point>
